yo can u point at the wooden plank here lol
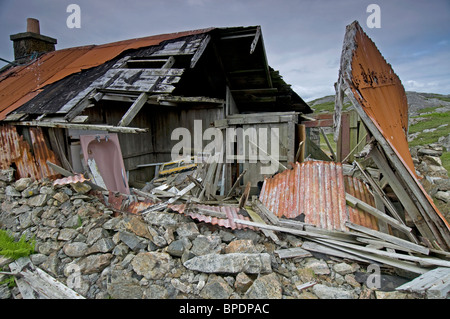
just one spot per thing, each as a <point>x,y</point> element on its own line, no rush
<point>236,183</point>
<point>100,127</point>
<point>98,179</point>
<point>333,154</point>
<point>353,134</point>
<point>357,203</point>
<point>434,283</point>
<point>34,283</point>
<point>133,110</point>
<point>426,261</point>
<point>256,218</point>
<point>389,238</point>
<point>429,212</point>
<point>255,39</point>
<point>200,51</point>
<point>266,212</point>
<point>382,259</point>
<point>411,209</point>
<point>319,248</point>
<point>292,253</point>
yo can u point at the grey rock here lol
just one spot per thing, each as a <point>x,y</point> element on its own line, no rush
<point>216,288</point>
<point>7,175</point>
<point>123,286</point>
<point>22,183</point>
<point>95,234</point>
<point>444,196</point>
<point>177,247</point>
<point>61,197</point>
<point>32,190</point>
<point>428,151</point>
<point>135,243</point>
<point>76,249</point>
<point>320,267</point>
<point>203,245</point>
<point>152,265</point>
<point>11,191</point>
<point>26,220</point>
<point>189,230</point>
<point>155,292</point>
<point>326,292</point>
<point>103,245</point>
<point>230,263</point>
<point>67,234</point>
<point>48,247</point>
<point>343,268</point>
<point>443,184</point>
<point>265,287</point>
<point>38,259</point>
<point>120,250</point>
<point>94,263</point>
<point>111,224</point>
<point>38,200</point>
<point>242,283</point>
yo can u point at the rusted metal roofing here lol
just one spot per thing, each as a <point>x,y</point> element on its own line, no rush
<point>380,100</point>
<point>29,161</point>
<point>380,92</point>
<point>194,211</point>
<point>21,83</point>
<point>316,190</point>
<point>78,178</point>
<point>358,189</point>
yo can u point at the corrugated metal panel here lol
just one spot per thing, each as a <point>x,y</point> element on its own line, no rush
<point>28,161</point>
<point>232,213</point>
<point>316,190</point>
<point>380,100</point>
<point>79,178</point>
<point>21,81</point>
<point>358,189</point>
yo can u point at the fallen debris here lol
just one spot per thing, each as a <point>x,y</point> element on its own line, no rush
<point>34,283</point>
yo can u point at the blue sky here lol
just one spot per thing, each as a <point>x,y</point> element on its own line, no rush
<point>303,38</point>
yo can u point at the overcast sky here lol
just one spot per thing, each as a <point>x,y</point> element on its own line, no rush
<point>303,38</point>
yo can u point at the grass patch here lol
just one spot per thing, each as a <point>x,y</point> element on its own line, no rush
<point>328,107</point>
<point>15,249</point>
<point>427,110</point>
<point>434,120</point>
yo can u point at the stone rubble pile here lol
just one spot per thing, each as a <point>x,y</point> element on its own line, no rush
<point>428,163</point>
<point>101,254</point>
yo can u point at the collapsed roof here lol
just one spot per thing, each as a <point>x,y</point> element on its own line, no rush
<point>57,81</point>
<point>379,99</point>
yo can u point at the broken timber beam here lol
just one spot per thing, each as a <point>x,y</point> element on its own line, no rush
<point>34,283</point>
<point>79,126</point>
<point>357,203</point>
<point>133,110</point>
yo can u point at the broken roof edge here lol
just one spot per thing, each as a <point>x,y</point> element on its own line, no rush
<point>346,84</point>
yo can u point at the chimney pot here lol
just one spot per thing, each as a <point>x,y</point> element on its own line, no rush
<point>33,25</point>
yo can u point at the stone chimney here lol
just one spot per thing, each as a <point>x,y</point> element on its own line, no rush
<point>28,45</point>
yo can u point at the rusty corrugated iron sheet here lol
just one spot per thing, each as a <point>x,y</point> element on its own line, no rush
<point>122,203</point>
<point>379,98</point>
<point>29,161</point>
<point>21,83</point>
<point>380,93</point>
<point>316,190</point>
<point>194,211</point>
<point>78,178</point>
<point>358,189</point>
